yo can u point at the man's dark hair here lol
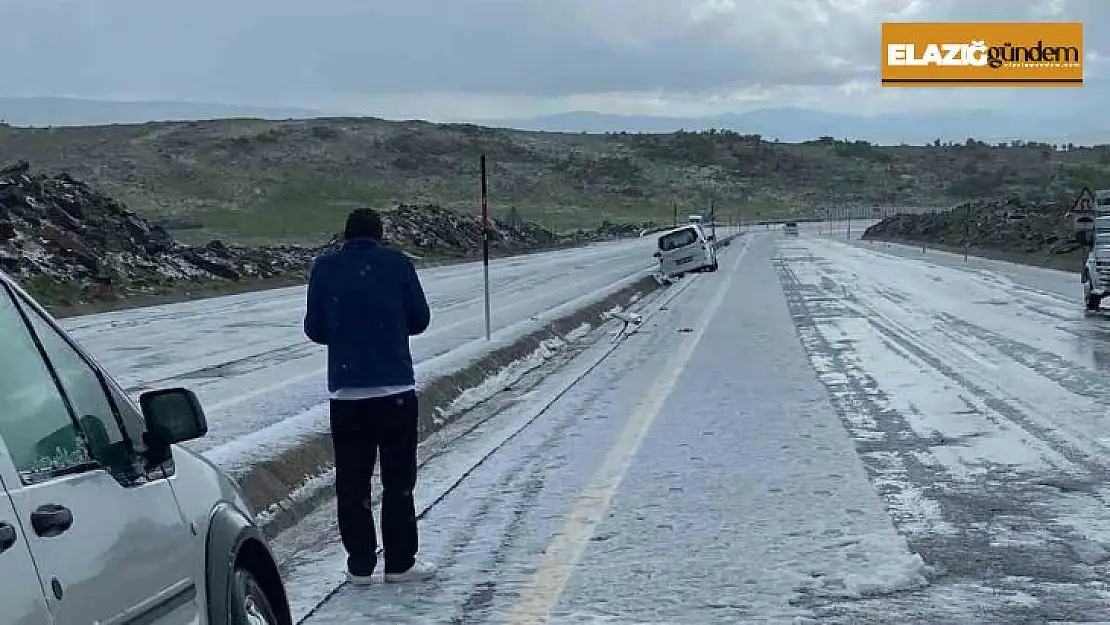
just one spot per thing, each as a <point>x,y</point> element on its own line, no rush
<point>364,222</point>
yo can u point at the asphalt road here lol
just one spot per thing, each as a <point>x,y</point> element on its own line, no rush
<point>823,431</point>
<point>248,361</point>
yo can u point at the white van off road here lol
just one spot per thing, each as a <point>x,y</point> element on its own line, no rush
<point>103,517</point>
<point>686,249</point>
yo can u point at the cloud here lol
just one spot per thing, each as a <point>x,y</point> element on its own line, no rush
<point>437,58</point>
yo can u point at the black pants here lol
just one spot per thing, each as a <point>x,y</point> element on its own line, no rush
<point>360,429</point>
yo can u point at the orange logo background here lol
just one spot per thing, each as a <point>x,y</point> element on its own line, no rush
<point>1001,54</point>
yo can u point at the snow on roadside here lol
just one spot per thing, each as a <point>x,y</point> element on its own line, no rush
<point>887,573</point>
<point>493,384</point>
<point>240,453</point>
<point>579,333</point>
<point>315,567</point>
<point>301,495</point>
<point>501,380</point>
<point>237,455</point>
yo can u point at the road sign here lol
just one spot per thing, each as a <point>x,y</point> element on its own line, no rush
<point>1083,211</point>
<point>1084,202</point>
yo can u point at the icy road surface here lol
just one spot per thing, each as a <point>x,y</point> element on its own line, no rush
<point>823,430</point>
<point>700,475</point>
<point>977,395</point>
<point>247,359</point>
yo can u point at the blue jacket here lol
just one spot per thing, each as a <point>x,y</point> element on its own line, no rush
<point>364,302</point>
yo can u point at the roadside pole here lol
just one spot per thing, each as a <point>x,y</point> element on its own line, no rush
<point>713,219</point>
<point>485,243</point>
<point>967,229</point>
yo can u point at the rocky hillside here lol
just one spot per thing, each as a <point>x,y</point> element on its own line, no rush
<point>252,180</point>
<point>1033,231</point>
<point>70,245</point>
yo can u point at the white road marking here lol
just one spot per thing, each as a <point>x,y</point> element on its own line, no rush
<point>539,597</point>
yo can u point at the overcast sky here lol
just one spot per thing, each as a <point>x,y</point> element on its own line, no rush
<point>456,59</point>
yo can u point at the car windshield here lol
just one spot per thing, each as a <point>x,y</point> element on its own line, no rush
<point>677,239</point>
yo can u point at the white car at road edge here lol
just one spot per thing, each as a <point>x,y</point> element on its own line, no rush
<point>104,518</point>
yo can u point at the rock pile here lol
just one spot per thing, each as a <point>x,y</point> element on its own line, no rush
<point>1013,226</point>
<point>58,229</point>
<point>607,229</point>
<point>431,229</point>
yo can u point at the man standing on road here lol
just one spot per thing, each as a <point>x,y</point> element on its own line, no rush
<point>364,302</point>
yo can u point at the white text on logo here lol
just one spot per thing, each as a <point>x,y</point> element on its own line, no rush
<point>944,54</point>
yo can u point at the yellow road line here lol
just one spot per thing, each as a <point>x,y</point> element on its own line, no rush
<point>540,596</point>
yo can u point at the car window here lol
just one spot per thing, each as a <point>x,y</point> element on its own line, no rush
<point>35,422</point>
<point>675,240</point>
<point>82,386</point>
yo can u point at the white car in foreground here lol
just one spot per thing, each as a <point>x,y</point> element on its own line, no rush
<point>104,518</point>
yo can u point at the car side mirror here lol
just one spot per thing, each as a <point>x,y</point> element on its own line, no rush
<point>172,416</point>
<point>710,237</point>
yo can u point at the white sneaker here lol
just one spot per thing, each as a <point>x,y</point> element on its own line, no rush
<point>418,572</point>
<point>359,580</point>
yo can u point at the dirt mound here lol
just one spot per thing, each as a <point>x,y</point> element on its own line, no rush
<point>1035,231</point>
<point>54,229</point>
<point>70,244</point>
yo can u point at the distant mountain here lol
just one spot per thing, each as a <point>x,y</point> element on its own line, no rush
<point>793,125</point>
<point>788,124</point>
<point>56,111</point>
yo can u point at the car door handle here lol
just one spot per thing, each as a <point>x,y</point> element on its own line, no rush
<point>7,537</point>
<point>50,519</point>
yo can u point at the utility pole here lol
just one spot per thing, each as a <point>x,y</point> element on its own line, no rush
<point>922,245</point>
<point>485,243</point>
<point>713,218</point>
<point>967,229</point>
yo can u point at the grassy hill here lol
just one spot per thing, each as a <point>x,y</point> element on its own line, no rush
<point>293,181</point>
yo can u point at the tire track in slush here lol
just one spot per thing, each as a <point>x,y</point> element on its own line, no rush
<point>517,493</point>
<point>476,607</point>
<point>891,452</point>
<point>1071,376</point>
<point>929,355</point>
